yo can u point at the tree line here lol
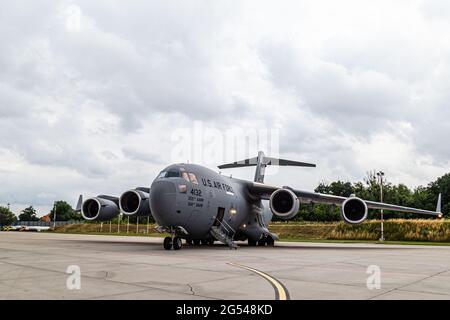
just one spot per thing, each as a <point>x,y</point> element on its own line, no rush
<point>422,197</point>
<point>64,212</point>
<point>369,189</point>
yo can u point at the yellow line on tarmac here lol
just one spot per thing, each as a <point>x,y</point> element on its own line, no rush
<point>281,293</point>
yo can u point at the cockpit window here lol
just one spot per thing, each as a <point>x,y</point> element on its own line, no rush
<point>169,174</point>
<point>185,176</point>
<point>173,174</point>
<point>193,178</point>
<point>162,174</point>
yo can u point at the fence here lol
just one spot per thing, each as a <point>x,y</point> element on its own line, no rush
<point>45,224</point>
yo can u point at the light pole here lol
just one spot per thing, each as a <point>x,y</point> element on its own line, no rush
<point>137,225</point>
<point>54,215</point>
<point>380,176</point>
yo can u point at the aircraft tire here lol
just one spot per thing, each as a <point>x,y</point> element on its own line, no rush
<point>262,242</point>
<point>177,243</point>
<point>167,243</point>
<point>270,242</point>
<point>204,242</point>
<point>196,242</point>
<point>251,243</point>
<point>211,242</point>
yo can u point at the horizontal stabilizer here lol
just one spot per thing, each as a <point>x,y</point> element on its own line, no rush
<point>268,161</point>
<point>261,162</point>
<point>238,164</point>
<point>283,162</point>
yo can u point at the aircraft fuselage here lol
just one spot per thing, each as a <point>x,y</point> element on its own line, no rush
<point>196,198</point>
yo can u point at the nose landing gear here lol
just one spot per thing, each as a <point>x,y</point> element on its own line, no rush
<point>264,241</point>
<point>270,241</point>
<point>172,242</point>
<point>167,243</point>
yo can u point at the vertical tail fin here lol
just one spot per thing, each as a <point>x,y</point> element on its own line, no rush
<point>79,203</point>
<point>261,162</point>
<point>260,167</point>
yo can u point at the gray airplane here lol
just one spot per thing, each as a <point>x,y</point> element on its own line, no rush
<point>199,205</point>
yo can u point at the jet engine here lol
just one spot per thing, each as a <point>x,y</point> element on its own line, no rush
<point>284,203</point>
<point>135,202</point>
<point>99,208</point>
<point>354,210</point>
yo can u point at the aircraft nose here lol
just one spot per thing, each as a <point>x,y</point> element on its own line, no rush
<point>162,202</point>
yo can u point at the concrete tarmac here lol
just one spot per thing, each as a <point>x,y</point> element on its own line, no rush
<point>35,265</point>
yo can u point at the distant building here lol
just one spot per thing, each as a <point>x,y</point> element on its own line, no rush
<point>46,218</point>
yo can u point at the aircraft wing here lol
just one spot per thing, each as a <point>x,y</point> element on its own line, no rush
<point>264,191</point>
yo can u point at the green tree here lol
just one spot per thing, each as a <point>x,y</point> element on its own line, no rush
<point>28,214</point>
<point>64,212</point>
<point>337,188</point>
<point>369,189</point>
<point>441,185</point>
<point>6,217</point>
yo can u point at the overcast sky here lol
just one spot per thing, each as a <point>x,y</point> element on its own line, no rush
<point>91,92</point>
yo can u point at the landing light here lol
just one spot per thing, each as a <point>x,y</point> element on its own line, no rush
<point>233,212</point>
<point>182,188</point>
<point>243,226</point>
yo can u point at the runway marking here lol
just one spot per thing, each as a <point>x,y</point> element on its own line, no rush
<point>281,292</point>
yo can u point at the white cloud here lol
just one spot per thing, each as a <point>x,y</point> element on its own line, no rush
<point>90,91</point>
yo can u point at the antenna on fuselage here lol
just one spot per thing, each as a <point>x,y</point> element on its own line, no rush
<point>261,162</point>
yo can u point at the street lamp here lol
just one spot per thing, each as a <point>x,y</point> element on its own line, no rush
<point>380,175</point>
<point>54,215</point>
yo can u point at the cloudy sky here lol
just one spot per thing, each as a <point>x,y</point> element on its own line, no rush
<point>98,96</point>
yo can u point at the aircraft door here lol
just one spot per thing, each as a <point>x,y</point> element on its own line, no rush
<point>219,217</point>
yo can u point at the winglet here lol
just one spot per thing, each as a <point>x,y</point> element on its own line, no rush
<point>79,203</point>
<point>439,206</point>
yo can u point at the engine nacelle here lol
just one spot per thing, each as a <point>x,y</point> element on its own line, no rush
<point>99,209</point>
<point>354,210</point>
<point>284,203</point>
<point>135,202</point>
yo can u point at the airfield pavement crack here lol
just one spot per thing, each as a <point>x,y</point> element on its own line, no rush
<point>191,288</point>
<point>409,284</point>
<point>424,291</point>
<point>182,266</point>
<point>108,296</point>
<point>109,280</point>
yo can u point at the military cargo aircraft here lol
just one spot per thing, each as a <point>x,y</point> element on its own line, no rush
<point>201,206</point>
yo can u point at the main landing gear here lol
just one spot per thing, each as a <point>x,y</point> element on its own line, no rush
<point>175,242</point>
<point>172,242</point>
<point>264,241</point>
<point>198,242</point>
